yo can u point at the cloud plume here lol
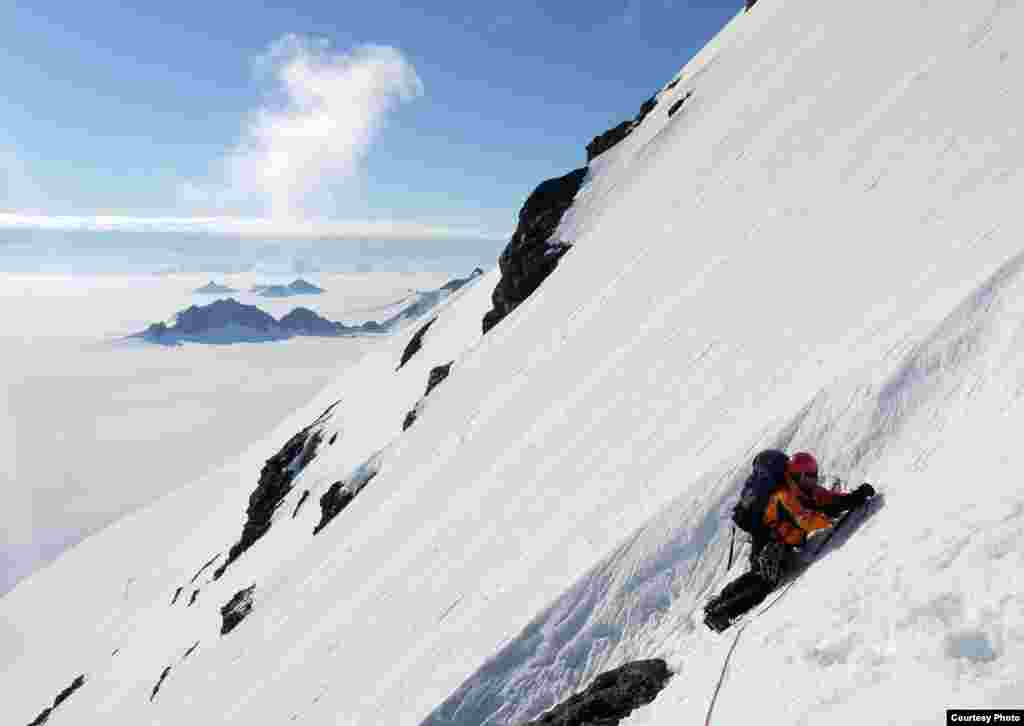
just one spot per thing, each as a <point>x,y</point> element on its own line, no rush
<point>301,152</point>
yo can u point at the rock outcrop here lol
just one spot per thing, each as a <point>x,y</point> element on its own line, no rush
<point>341,493</point>
<point>678,104</point>
<point>202,569</point>
<point>236,609</point>
<point>274,484</point>
<point>159,683</point>
<point>335,499</point>
<point>44,716</point>
<point>602,142</point>
<point>414,343</point>
<point>302,500</point>
<point>437,374</point>
<point>611,697</point>
<point>530,255</point>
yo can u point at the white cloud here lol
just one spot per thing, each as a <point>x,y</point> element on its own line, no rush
<point>301,151</point>
<point>254,228</point>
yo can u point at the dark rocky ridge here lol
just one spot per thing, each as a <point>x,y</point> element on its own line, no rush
<point>602,142</point>
<point>529,257</point>
<point>611,697</point>
<point>274,484</point>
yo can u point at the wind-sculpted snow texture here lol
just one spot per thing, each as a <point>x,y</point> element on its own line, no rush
<point>820,250</point>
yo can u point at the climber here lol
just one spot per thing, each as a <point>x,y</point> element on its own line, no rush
<point>781,506</point>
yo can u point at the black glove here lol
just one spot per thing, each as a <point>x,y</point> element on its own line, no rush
<point>859,495</point>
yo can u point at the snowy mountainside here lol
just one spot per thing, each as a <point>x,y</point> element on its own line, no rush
<point>818,250</point>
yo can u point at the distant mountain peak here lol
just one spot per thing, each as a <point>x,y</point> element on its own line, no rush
<point>214,288</point>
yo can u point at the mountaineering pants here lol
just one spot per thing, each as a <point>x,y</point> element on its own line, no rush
<point>768,565</point>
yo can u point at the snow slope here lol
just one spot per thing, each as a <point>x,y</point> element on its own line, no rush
<point>818,251</point>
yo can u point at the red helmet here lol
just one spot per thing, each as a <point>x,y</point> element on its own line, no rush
<point>802,463</point>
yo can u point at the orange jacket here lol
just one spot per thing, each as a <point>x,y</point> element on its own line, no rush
<point>792,513</point>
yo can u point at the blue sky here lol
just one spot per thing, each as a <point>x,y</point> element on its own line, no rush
<point>189,109</point>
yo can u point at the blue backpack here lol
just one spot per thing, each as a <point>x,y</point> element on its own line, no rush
<point>769,470</point>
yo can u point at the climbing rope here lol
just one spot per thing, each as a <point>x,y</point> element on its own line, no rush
<point>725,666</point>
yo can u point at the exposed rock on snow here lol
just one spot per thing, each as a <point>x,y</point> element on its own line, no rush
<point>335,499</point>
<point>340,494</point>
<point>437,374</point>
<point>177,593</point>
<point>414,343</point>
<point>678,104</point>
<point>236,609</point>
<point>44,716</point>
<point>298,505</point>
<point>611,697</point>
<point>602,142</point>
<point>529,257</point>
<point>203,568</point>
<point>159,682</point>
<point>275,482</point>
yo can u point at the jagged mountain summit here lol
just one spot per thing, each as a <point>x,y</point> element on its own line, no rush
<point>802,245</point>
<point>229,321</point>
